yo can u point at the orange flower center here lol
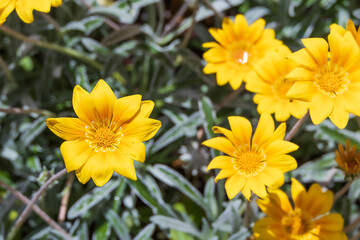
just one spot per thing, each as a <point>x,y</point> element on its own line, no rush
<point>297,223</point>
<point>239,53</point>
<point>331,80</point>
<point>249,161</point>
<point>103,136</point>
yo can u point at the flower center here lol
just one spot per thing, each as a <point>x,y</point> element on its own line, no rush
<point>239,53</point>
<point>281,87</point>
<point>297,223</point>
<point>103,136</point>
<point>249,161</point>
<point>331,80</point>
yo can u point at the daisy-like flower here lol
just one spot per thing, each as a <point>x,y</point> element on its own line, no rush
<point>329,80</point>
<point>271,87</point>
<point>348,160</point>
<point>25,8</point>
<point>251,163</point>
<point>349,27</point>
<point>238,48</point>
<point>309,219</point>
<point>107,135</point>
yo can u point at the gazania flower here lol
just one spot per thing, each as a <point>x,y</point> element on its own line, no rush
<point>107,135</point>
<point>238,49</point>
<point>348,160</point>
<point>328,80</point>
<point>24,8</point>
<point>349,27</point>
<point>308,219</point>
<point>251,163</point>
<point>271,87</point>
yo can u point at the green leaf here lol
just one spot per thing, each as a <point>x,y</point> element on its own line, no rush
<point>149,192</point>
<point>172,178</point>
<point>172,223</point>
<point>208,114</point>
<point>210,200</point>
<point>103,232</point>
<point>118,225</point>
<point>225,222</point>
<point>243,234</point>
<point>89,200</point>
<point>187,127</point>
<point>146,233</point>
<point>31,131</point>
<point>86,25</point>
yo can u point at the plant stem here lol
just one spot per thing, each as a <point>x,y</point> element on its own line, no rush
<point>21,219</point>
<point>247,215</point>
<point>37,210</point>
<point>65,50</point>
<point>343,190</point>
<point>296,127</point>
<point>26,111</point>
<point>352,225</point>
<point>189,32</point>
<point>65,198</point>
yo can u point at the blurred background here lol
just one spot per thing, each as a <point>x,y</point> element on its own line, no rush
<point>153,48</point>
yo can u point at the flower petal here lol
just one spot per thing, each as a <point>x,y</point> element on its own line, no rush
<point>256,186</point>
<point>296,190</point>
<point>67,128</point>
<point>146,107</point>
<point>320,108</point>
<point>276,205</point>
<point>227,133</point>
<point>104,99</point>
<point>75,153</point>
<point>318,48</point>
<point>271,177</point>
<point>241,128</point>
<point>264,130</point>
<point>222,144</point>
<point>134,148</point>
<point>125,108</point>
<point>84,105</point>
<point>234,185</point>
<point>285,163</point>
<point>142,128</point>
<point>302,90</point>
<point>220,162</point>
<point>331,222</point>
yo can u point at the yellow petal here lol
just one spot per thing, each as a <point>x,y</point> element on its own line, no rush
<point>67,128</point>
<point>302,90</point>
<point>146,107</point>
<point>211,45</point>
<point>224,173</point>
<point>142,128</point>
<point>214,55</point>
<point>5,3</point>
<point>256,29</point>
<point>280,147</point>
<point>75,154</point>
<point>303,58</point>
<point>84,105</point>
<point>104,99</point>
<point>331,222</point>
<point>24,11</point>
<point>296,190</point>
<point>285,163</point>
<point>6,9</point>
<point>318,48</point>
<point>271,177</point>
<point>241,128</point>
<point>300,73</point>
<point>56,3</point>
<point>220,162</point>
<point>219,36</point>
<point>332,235</point>
<point>124,165</point>
<point>276,205</point>
<point>265,229</point>
<point>264,130</point>
<point>222,144</point>
<point>257,186</point>
<point>134,148</point>
<point>339,117</point>
<point>42,5</point>
<point>320,107</point>
<point>228,134</point>
<point>234,185</point>
<point>337,28</point>
<point>240,26</point>
<point>125,108</point>
<point>319,202</point>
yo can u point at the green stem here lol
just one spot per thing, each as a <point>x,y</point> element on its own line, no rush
<point>36,209</point>
<point>296,127</point>
<point>65,50</point>
<point>21,219</point>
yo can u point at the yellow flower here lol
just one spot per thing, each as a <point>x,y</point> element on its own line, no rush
<point>251,163</point>
<point>330,81</point>
<point>271,87</point>
<point>348,160</point>
<point>106,136</point>
<point>349,27</point>
<point>309,218</point>
<point>24,8</point>
<point>238,49</point>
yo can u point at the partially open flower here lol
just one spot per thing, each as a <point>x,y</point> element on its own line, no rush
<point>348,160</point>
